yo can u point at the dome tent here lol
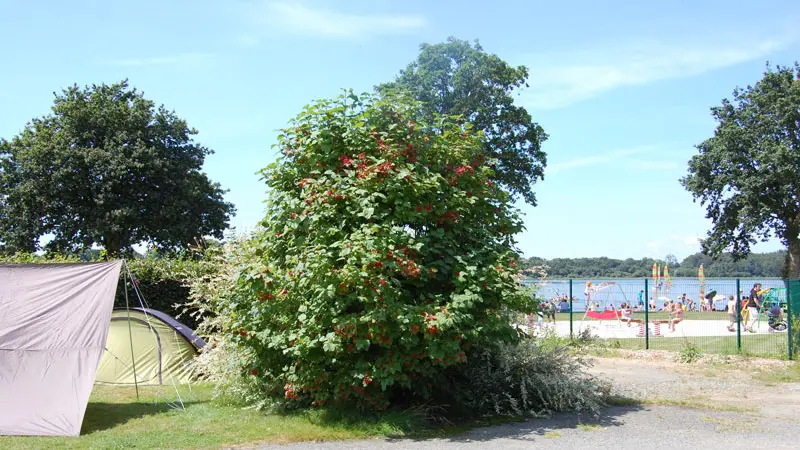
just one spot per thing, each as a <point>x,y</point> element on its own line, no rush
<point>147,347</point>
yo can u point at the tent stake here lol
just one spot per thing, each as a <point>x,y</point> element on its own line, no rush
<point>130,333</point>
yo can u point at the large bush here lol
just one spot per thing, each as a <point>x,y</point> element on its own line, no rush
<point>387,257</point>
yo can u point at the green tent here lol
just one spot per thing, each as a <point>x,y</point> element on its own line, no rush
<point>162,349</point>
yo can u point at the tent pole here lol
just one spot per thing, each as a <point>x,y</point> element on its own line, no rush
<point>130,333</point>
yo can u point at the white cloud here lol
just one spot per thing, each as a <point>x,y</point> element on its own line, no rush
<point>296,18</point>
<point>594,160</point>
<point>643,165</point>
<point>559,80</point>
<point>182,59</point>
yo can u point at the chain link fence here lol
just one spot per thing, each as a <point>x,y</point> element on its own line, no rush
<point>758,317</point>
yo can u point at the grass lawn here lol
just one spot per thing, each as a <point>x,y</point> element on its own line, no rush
<point>115,419</point>
<point>769,345</point>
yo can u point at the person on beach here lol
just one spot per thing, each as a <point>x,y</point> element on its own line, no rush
<point>676,316</point>
<point>587,292</point>
<point>732,313</point>
<point>550,311</point>
<point>753,306</point>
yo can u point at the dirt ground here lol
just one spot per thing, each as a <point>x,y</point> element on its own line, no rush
<point>718,402</point>
<point>722,383</point>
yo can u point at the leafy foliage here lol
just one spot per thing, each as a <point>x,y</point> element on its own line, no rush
<point>689,352</point>
<point>106,167</point>
<point>531,377</point>
<point>164,284</point>
<point>457,78</point>
<point>747,174</point>
<point>387,257</point>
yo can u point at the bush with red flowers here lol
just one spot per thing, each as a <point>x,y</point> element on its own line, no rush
<point>387,257</point>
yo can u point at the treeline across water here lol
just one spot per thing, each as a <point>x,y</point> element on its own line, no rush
<point>756,265</point>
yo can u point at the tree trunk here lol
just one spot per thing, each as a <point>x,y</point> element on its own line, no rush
<point>111,244</point>
<point>793,259</point>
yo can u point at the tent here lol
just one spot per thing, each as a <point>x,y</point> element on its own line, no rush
<point>53,325</point>
<point>150,345</point>
<point>59,334</point>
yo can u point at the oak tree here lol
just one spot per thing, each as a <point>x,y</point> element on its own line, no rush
<point>106,167</point>
<point>457,78</point>
<point>748,175</point>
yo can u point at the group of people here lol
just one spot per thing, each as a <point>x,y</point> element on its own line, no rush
<point>674,309</point>
<point>751,307</point>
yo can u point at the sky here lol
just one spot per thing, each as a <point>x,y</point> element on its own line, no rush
<point>623,89</point>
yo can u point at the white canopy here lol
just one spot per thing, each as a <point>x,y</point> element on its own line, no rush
<point>53,325</point>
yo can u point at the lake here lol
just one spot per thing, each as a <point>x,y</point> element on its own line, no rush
<point>627,290</point>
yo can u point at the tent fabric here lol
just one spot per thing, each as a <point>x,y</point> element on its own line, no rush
<point>187,332</point>
<point>163,349</point>
<point>53,326</point>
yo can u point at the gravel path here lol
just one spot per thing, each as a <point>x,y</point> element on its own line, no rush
<point>722,406</point>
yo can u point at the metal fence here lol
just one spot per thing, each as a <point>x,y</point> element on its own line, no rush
<point>714,315</point>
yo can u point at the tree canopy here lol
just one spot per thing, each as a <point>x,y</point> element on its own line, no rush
<point>457,78</point>
<point>106,167</point>
<point>748,175</point>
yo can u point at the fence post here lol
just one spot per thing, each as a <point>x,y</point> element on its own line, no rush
<point>570,308</point>
<point>738,317</point>
<point>789,314</point>
<point>646,316</point>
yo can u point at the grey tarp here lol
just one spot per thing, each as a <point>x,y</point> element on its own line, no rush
<point>53,325</point>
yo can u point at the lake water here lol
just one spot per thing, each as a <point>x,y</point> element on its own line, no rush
<point>627,290</point>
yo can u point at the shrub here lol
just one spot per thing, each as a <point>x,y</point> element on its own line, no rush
<point>387,257</point>
<point>532,377</point>
<point>689,352</point>
<point>163,283</point>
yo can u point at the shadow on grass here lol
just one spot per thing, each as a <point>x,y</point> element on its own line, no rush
<point>392,423</point>
<point>416,426</point>
<point>532,429</point>
<point>101,416</point>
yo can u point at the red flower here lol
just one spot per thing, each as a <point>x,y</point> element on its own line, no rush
<point>461,170</point>
<point>428,208</point>
<point>254,372</point>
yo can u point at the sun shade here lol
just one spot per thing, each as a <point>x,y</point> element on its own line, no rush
<point>53,324</point>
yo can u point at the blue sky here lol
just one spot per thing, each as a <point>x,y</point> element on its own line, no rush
<point>622,88</point>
